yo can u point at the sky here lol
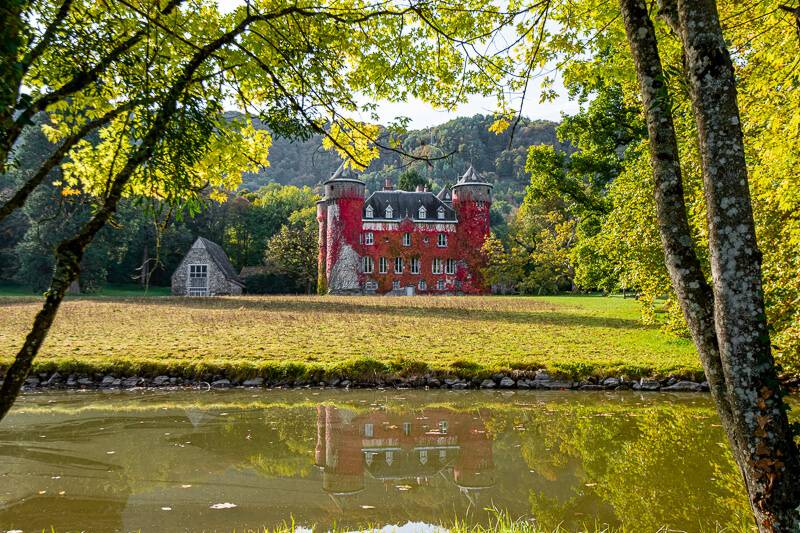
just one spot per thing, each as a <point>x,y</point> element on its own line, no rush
<point>423,115</point>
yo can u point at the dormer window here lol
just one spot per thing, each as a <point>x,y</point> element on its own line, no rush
<point>389,211</point>
<point>422,212</point>
<point>440,213</point>
<point>370,213</point>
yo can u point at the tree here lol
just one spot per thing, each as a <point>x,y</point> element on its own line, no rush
<point>293,251</point>
<point>297,68</point>
<point>727,319</point>
<point>410,180</point>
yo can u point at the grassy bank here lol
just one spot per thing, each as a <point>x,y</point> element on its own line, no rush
<point>574,336</point>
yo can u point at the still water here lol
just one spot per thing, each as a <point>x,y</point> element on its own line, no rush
<point>219,461</point>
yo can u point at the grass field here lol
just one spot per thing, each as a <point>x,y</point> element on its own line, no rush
<point>575,336</point>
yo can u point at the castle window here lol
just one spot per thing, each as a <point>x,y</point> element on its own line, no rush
<point>367,264</point>
<point>451,266</point>
<point>368,430</point>
<point>369,238</point>
<point>382,266</point>
<point>396,285</point>
<point>406,428</point>
<point>440,284</point>
<point>423,456</point>
<point>442,426</point>
<point>389,211</point>
<point>442,242</point>
<point>436,266</point>
<point>398,265</point>
<point>370,213</point>
<point>415,265</point>
<point>440,213</point>
<point>422,212</point>
<point>422,285</point>
<point>406,239</point>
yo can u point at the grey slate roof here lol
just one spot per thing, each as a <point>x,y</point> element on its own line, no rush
<point>220,258</point>
<point>472,176</point>
<point>344,173</point>
<point>406,204</point>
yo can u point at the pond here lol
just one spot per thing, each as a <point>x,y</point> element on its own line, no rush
<point>225,460</point>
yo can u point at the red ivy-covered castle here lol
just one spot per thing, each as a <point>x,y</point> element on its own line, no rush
<point>402,242</point>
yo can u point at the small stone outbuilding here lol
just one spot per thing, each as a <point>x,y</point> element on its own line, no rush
<point>206,271</point>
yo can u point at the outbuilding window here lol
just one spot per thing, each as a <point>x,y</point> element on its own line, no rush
<point>198,280</point>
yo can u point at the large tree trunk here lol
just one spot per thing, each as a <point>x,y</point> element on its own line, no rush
<point>727,321</point>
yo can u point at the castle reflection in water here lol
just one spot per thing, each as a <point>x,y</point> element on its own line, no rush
<point>394,446</point>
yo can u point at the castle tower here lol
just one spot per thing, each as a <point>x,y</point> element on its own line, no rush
<point>339,217</point>
<point>472,199</point>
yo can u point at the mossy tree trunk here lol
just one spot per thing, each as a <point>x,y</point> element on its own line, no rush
<point>726,319</point>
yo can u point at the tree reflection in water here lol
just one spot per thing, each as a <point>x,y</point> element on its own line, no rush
<point>366,457</point>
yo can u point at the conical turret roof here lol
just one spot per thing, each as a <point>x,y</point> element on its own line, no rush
<point>472,177</point>
<point>344,173</point>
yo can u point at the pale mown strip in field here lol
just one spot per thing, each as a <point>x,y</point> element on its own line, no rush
<point>579,335</point>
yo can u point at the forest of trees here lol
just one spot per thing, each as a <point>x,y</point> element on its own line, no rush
<point>148,239</point>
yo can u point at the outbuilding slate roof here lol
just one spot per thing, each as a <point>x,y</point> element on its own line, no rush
<point>406,204</point>
<point>220,258</point>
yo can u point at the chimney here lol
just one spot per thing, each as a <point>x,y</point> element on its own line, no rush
<point>425,188</point>
<point>387,184</point>
<point>419,188</point>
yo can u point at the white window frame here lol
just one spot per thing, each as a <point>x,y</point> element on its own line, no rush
<point>369,238</point>
<point>422,212</point>
<point>406,239</point>
<point>389,213</point>
<point>367,264</point>
<point>440,213</point>
<point>383,266</point>
<point>422,285</point>
<point>371,285</point>
<point>436,266</point>
<point>369,430</point>
<point>450,266</point>
<point>369,213</point>
<point>199,290</point>
<point>415,265</point>
<point>441,240</point>
<point>440,286</point>
<point>398,261</point>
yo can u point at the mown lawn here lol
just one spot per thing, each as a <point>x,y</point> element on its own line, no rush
<point>572,335</point>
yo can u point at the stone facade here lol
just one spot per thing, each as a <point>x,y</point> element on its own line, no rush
<point>403,243</point>
<point>209,270</point>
